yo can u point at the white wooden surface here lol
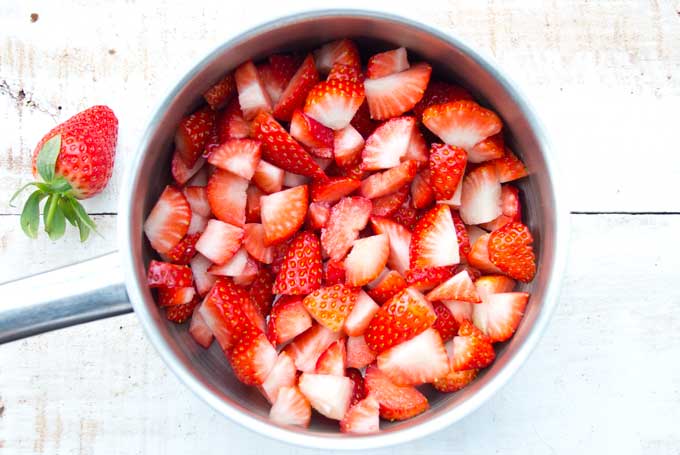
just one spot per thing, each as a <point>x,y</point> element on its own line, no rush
<point>605,77</point>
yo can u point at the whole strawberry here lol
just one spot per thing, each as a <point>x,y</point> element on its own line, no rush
<point>74,161</point>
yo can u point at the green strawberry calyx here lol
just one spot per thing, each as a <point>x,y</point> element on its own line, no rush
<point>61,205</point>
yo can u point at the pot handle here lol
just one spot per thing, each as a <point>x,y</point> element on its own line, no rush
<point>71,295</point>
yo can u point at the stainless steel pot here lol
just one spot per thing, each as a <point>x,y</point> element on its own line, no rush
<point>103,287</point>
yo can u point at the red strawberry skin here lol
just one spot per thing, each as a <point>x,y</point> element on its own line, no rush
<point>88,150</point>
<point>219,94</point>
<point>295,93</point>
<point>447,164</point>
<point>193,134</point>
<point>301,270</point>
<point>511,251</point>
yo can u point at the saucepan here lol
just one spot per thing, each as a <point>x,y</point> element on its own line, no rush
<point>115,284</point>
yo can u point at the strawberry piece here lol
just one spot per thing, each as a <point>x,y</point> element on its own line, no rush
<point>252,96</point>
<point>280,251</point>
<point>494,284</point>
<point>306,348</point>
<point>422,193</point>
<point>446,324</point>
<point>280,149</point>
<point>341,72</point>
<point>499,315</point>
<point>282,375</point>
<point>404,316</point>
<point>361,315</point>
<point>230,123</point>
<point>388,144</point>
<point>461,234</point>
<point>252,356</point>
<point>396,402</point>
<point>199,330</point>
<point>168,221</point>
<point>479,256</point>
<point>185,250</point>
<point>203,280</point>
<point>301,268</point>
<point>330,305</point>
<point>389,285</point>
<point>461,123</point>
<point>392,95</point>
<point>295,94</point>
<point>347,218</point>
<point>447,165</point>
<point>239,156</point>
<point>288,319</point>
<point>261,290</point>
<point>386,63</point>
<point>249,273</point>
<point>220,241</point>
<point>175,296</point>
<point>291,408</point>
<point>347,146</point>
<point>366,260</point>
<point>481,197</point>
<point>511,251</point>
<point>439,92</point>
<point>253,194</point>
<point>399,238</point>
<point>434,242</point>
<point>406,215</point>
<point>233,267</point>
<point>193,133</point>
<point>268,177</point>
<point>492,147</point>
<point>333,189</point>
<point>509,167</point>
<point>389,181</point>
<point>333,360</point>
<point>253,241</point>
<point>458,287</point>
<point>359,391</point>
<point>227,197</point>
<point>277,74</point>
<point>471,349</point>
<point>453,381</point>
<point>424,279</point>
<point>387,205</point>
<point>219,94</point>
<point>329,395</point>
<point>416,361</point>
<point>461,311</point>
<point>312,134</point>
<point>359,354</point>
<point>318,214</point>
<point>197,197</point>
<point>334,273</point>
<point>362,418</point>
<point>342,51</point>
<point>283,213</point>
<point>510,209</point>
<point>182,173</point>
<point>164,274</point>
<point>197,224</point>
<point>417,148</point>
<point>179,314</point>
<point>334,102</point>
<point>473,272</point>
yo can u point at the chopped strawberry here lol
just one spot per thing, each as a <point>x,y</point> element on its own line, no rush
<point>342,51</point>
<point>184,250</point>
<point>388,144</point>
<point>182,173</point>
<point>481,198</point>
<point>362,418</point>
<point>341,72</point>
<point>474,273</point>
<point>361,315</point>
<point>193,133</point>
<point>461,311</point>
<point>164,274</point>
<point>499,315</point>
<point>282,374</point>
<point>389,285</point>
<point>220,241</point>
<point>347,146</point>
<point>253,241</point>
<point>334,273</point>
<point>280,70</point>
<point>239,156</point>
<point>280,149</point>
<point>494,284</point>
<point>471,349</point>
<point>347,218</point>
<point>392,95</point>
<point>434,242</point>
<point>168,221</point>
<point>219,94</point>
<point>268,177</point>
<point>453,381</point>
<point>329,395</point>
<point>490,148</point>
<point>252,356</point>
<point>333,360</point>
<point>406,215</point>
<point>400,239</point>
<point>461,234</point>
<point>179,314</point>
<point>261,290</point>
<point>252,96</point>
<point>388,204</point>
<point>249,273</point>
<point>479,256</point>
<point>389,181</point>
<point>417,148</point>
<point>200,178</point>
<point>334,102</point>
<point>511,251</point>
<point>509,167</point>
<point>318,214</point>
<point>301,271</point>
<point>227,197</point>
<point>203,280</point>
<point>175,296</point>
<point>461,123</point>
<point>359,391</point>
<point>396,402</point>
<point>333,189</point>
<point>416,361</point>
<point>404,316</point>
<point>331,305</point>
<point>446,324</point>
<point>288,319</point>
<point>295,94</point>
<point>233,267</point>
<point>447,165</point>
<point>197,197</point>
<point>312,134</point>
<point>422,193</point>
<point>458,287</point>
<point>291,408</point>
<point>359,355</point>
<point>366,260</point>
<point>197,224</point>
<point>510,209</point>
<point>199,330</point>
<point>280,251</point>
<point>253,194</point>
<point>386,63</point>
<point>306,348</point>
<point>439,92</point>
<point>283,213</point>
<point>230,123</point>
<point>424,279</point>
<point>290,180</point>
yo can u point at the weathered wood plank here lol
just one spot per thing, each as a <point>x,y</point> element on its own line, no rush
<point>604,378</point>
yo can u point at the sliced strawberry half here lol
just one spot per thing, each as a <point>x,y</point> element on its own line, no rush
<point>366,260</point>
<point>227,197</point>
<point>291,408</point>
<point>301,271</point>
<point>329,395</point>
<point>494,284</point>
<point>400,241</point>
<point>330,305</point>
<point>182,173</point>
<point>261,290</point>
<point>471,349</point>
<point>347,146</point>
<point>511,251</point>
<point>417,148</point>
<point>283,213</point>
<point>446,324</point>
<point>312,134</point>
<point>396,402</point>
<point>479,256</point>
<point>175,296</point>
<point>359,355</point>
<point>454,381</point>
<point>219,94</point>
<point>230,123</point>
<point>490,148</point>
<point>424,279</point>
<point>461,234</point>
<point>416,361</point>
<point>388,285</point>
<point>199,330</point>
<point>220,241</point>
<point>193,134</point>
<point>439,92</point>
<point>392,95</point>
<point>342,51</point>
<point>252,356</point>
<point>447,165</point>
<point>306,348</point>
<point>347,218</point>
<point>461,311</point>
<point>295,94</point>
<point>282,374</point>
<point>238,156</point>
<point>481,197</point>
<point>179,314</point>
<point>461,123</point>
<point>422,194</point>
<point>199,268</point>
<point>406,215</point>
<point>434,242</point>
<point>388,144</point>
<point>197,197</point>
<point>233,267</point>
<point>333,189</point>
<point>185,250</point>
<point>362,418</point>
<point>343,72</point>
<point>252,96</point>
<point>333,360</point>
<point>500,314</point>
<point>386,63</point>
<point>509,167</point>
<point>458,287</point>
<point>358,319</point>
<point>387,205</point>
<point>168,220</point>
<point>389,181</point>
<point>288,319</point>
<point>254,243</point>
<point>511,209</point>
<point>268,177</point>
<point>334,102</point>
<point>164,274</point>
<point>318,214</point>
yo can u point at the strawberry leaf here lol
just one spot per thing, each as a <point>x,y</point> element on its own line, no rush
<point>83,230</point>
<point>83,217</point>
<point>69,213</point>
<point>47,158</point>
<point>58,226</point>
<point>51,207</point>
<point>30,216</point>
